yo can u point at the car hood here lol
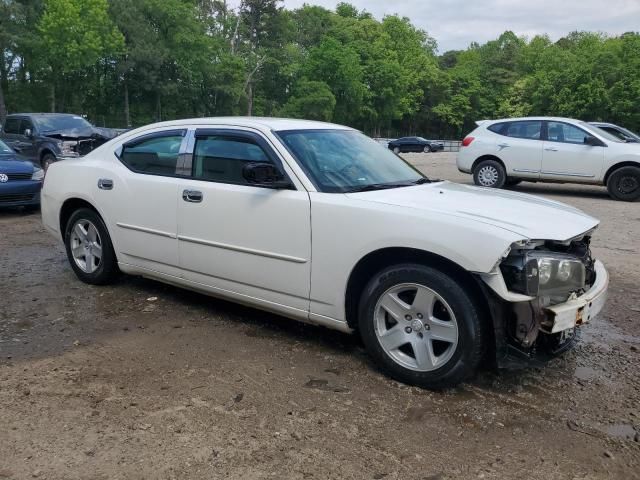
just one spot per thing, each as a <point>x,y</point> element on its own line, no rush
<point>527,215</point>
<point>82,133</point>
<point>12,163</point>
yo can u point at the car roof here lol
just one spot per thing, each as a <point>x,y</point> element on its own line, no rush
<point>271,123</point>
<point>517,119</point>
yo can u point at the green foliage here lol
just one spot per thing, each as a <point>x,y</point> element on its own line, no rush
<point>130,62</point>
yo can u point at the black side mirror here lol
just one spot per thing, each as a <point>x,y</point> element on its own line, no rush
<point>265,175</point>
<point>593,141</point>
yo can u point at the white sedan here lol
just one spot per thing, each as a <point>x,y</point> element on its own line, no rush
<point>549,149</point>
<point>320,223</point>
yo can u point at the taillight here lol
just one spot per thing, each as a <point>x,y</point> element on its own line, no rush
<point>467,141</point>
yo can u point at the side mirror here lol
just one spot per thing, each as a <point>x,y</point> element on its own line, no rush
<point>265,175</point>
<point>28,133</point>
<point>593,141</point>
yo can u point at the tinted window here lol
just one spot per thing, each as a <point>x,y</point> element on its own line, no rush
<point>563,132</point>
<point>157,155</point>
<point>24,124</point>
<point>221,158</point>
<point>12,125</point>
<point>526,129</point>
<point>497,127</point>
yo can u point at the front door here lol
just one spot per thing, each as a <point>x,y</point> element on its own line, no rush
<point>566,156</point>
<point>249,242</point>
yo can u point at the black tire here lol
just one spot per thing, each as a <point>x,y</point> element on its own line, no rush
<point>624,184</point>
<point>47,160</point>
<point>512,182</point>
<point>467,353</point>
<point>107,269</point>
<point>490,174</point>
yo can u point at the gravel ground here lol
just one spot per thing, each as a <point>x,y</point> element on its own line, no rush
<point>143,380</point>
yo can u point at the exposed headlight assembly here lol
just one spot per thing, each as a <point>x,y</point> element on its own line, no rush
<point>539,273</point>
<point>68,148</point>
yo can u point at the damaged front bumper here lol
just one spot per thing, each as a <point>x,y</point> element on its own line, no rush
<point>528,334</point>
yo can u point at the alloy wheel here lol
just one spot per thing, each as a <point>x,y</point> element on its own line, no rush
<point>488,176</point>
<point>86,246</point>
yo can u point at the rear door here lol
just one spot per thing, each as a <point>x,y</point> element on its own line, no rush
<point>567,157</point>
<point>520,147</point>
<point>141,200</point>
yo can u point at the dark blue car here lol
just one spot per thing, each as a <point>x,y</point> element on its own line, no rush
<point>20,180</point>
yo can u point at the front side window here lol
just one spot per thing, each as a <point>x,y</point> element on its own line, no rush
<point>153,154</point>
<point>222,158</point>
<point>347,161</point>
<point>12,125</point>
<point>563,132</point>
<point>25,125</point>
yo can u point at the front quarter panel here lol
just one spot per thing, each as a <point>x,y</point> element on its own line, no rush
<point>345,230</point>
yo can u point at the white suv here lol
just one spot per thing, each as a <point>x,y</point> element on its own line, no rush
<point>549,149</point>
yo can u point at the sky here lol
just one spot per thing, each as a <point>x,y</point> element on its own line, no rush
<point>457,23</point>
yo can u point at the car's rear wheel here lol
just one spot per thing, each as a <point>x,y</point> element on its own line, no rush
<point>396,150</point>
<point>47,160</point>
<point>89,248</point>
<point>421,326</point>
<point>489,173</point>
<point>624,184</point>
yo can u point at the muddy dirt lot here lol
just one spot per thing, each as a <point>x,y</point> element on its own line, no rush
<point>142,380</point>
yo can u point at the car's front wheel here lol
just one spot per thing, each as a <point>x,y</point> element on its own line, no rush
<point>89,248</point>
<point>624,184</point>
<point>489,173</point>
<point>427,149</point>
<point>421,326</point>
<point>396,150</point>
<point>48,159</point>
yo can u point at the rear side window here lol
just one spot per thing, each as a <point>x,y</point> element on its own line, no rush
<point>154,154</point>
<point>12,125</point>
<point>221,158</point>
<point>529,129</point>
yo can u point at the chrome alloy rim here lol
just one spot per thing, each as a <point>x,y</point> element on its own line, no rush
<point>488,176</point>
<point>416,327</point>
<point>86,246</point>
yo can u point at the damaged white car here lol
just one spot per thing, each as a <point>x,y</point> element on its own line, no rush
<point>319,223</point>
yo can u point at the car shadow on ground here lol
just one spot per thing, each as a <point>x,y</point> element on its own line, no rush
<point>562,190</point>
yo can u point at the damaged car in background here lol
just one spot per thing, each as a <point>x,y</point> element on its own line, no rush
<point>45,138</point>
<point>322,224</point>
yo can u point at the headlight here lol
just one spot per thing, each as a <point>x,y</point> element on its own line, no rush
<point>68,149</point>
<point>539,273</point>
<point>38,174</point>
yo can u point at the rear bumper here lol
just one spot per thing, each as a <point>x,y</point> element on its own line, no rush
<point>21,193</point>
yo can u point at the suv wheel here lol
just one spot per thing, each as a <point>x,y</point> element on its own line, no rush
<point>89,248</point>
<point>624,184</point>
<point>421,326</point>
<point>47,160</point>
<point>489,173</point>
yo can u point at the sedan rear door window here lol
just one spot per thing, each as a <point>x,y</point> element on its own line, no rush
<point>155,154</point>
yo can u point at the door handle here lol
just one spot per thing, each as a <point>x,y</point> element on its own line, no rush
<point>551,149</point>
<point>105,184</point>
<point>193,196</point>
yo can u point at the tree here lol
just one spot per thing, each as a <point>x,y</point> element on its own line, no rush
<point>310,100</point>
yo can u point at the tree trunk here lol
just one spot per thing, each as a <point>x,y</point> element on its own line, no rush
<point>249,99</point>
<point>3,107</point>
<point>53,97</point>
<point>158,108</point>
<point>127,115</point>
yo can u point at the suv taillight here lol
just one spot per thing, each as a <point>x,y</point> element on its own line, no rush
<point>467,141</point>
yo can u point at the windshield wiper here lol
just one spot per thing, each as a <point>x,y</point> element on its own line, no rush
<point>420,181</point>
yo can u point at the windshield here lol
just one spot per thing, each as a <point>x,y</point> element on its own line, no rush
<point>4,148</point>
<point>340,161</point>
<point>601,132</point>
<point>62,122</point>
